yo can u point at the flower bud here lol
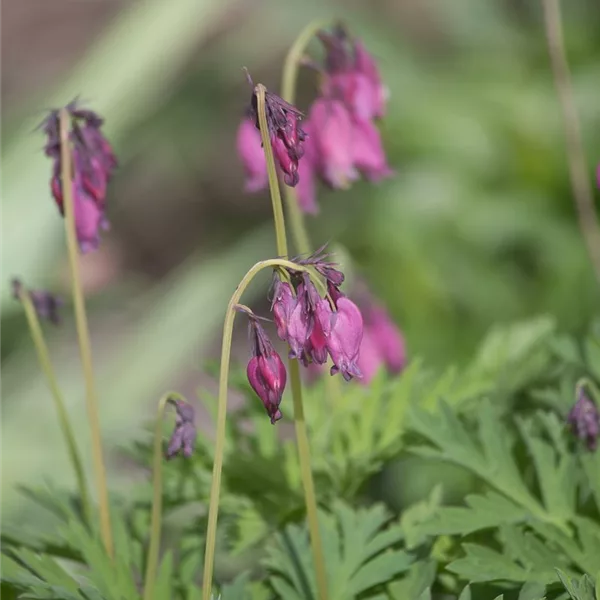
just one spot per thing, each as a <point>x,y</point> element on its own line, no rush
<point>584,419</point>
<point>266,372</point>
<point>183,437</point>
<point>284,303</point>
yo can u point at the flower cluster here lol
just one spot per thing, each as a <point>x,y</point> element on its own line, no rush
<point>46,304</point>
<point>315,326</point>
<point>93,166</point>
<point>584,419</point>
<point>184,434</point>
<point>338,141</point>
<point>343,139</point>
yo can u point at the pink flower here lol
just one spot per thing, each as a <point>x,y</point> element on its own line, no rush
<point>332,129</point>
<point>307,186</point>
<point>283,305</point>
<point>253,159</point>
<point>389,339</point>
<point>345,339</point>
<point>366,65</point>
<point>370,360</point>
<point>369,155</point>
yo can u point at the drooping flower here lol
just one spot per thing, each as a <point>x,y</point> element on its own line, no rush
<point>286,135</point>
<point>250,151</point>
<point>46,304</point>
<point>183,437</point>
<point>266,372</point>
<point>584,419</point>
<point>283,304</point>
<point>333,142</point>
<point>344,141</point>
<point>93,165</point>
<point>316,327</point>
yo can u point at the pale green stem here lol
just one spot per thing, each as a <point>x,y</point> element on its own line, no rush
<point>296,385</point>
<point>156,523</point>
<point>83,332</point>
<point>215,489</point>
<point>580,181</point>
<point>63,418</point>
<point>289,80</point>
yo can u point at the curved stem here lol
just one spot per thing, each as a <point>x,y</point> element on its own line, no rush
<point>83,332</point>
<point>296,385</point>
<point>156,523</point>
<point>289,79</point>
<point>63,417</point>
<point>215,490</point>
<point>580,183</point>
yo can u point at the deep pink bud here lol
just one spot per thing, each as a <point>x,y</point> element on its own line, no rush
<point>284,303</point>
<point>345,339</point>
<point>253,159</point>
<point>388,338</point>
<point>366,65</point>
<point>266,372</point>
<point>286,161</point>
<point>369,155</point>
<point>332,129</point>
<point>316,345</point>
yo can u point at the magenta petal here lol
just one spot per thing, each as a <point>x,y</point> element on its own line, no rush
<point>333,135</point>
<point>345,339</point>
<point>366,65</point>
<point>389,339</point>
<point>250,150</point>
<point>284,303</point>
<point>369,155</point>
<point>369,360</point>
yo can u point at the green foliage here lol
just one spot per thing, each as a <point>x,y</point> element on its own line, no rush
<point>528,529</point>
<point>360,555</point>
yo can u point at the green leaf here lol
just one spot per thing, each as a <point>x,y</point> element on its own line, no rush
<point>359,554</point>
<point>532,591</point>
<point>579,588</point>
<point>417,582</point>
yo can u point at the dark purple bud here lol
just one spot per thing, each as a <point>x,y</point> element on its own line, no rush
<point>345,339</point>
<point>93,164</point>
<point>46,305</point>
<point>183,437</point>
<point>266,372</point>
<point>338,55</point>
<point>249,149</point>
<point>284,303</point>
<point>286,135</point>
<point>584,419</point>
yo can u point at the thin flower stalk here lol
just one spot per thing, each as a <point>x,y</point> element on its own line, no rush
<point>215,489</point>
<point>580,182</point>
<point>83,333</point>
<point>63,417</point>
<point>294,369</point>
<point>289,81</point>
<point>156,519</point>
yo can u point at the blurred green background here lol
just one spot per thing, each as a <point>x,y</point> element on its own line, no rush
<point>477,228</point>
